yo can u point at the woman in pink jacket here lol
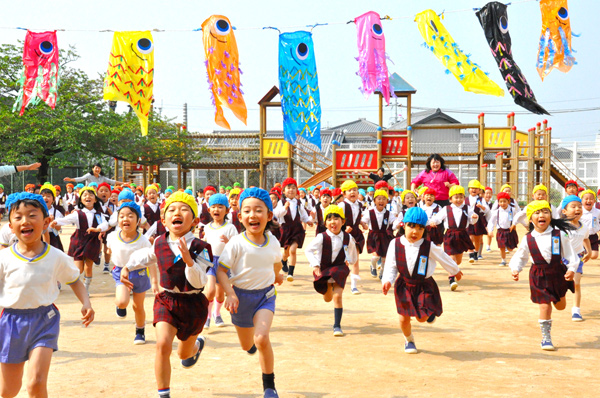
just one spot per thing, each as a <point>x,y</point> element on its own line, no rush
<point>437,177</point>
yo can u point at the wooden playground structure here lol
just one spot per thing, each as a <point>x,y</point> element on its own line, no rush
<point>503,153</point>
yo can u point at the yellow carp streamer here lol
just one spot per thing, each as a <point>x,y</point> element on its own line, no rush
<point>439,41</point>
<point>130,76</point>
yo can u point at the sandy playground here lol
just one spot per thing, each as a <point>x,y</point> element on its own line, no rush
<point>486,344</point>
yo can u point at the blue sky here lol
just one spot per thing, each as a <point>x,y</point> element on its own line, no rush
<point>180,75</point>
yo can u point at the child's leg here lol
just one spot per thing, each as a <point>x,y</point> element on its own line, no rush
<point>106,256</point>
<point>489,242</point>
<point>79,265</point>
<point>246,337</point>
<point>328,296</point>
<point>293,247</point>
<point>165,334</point>
<point>122,296</point>
<point>354,277</point>
<point>502,252</point>
<point>406,328</point>
<point>594,254</point>
<point>138,309</point>
<point>12,378</point>
<point>209,291</point>
<point>262,326</point>
<point>337,305</point>
<point>286,253</point>
<point>37,371</point>
<point>220,298</point>
<point>577,280</point>
<point>88,266</point>
<point>561,305</point>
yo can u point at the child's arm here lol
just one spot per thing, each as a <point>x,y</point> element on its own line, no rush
<point>278,275</point>
<point>588,250</point>
<point>231,300</point>
<point>519,259</point>
<point>281,210</point>
<point>568,253</point>
<point>71,219</point>
<point>492,223</point>
<point>390,270</point>
<point>521,217</point>
<point>352,252</point>
<point>438,254</point>
<point>195,272</point>
<point>82,295</point>
<point>397,221</point>
<point>304,216</point>
<point>438,218</point>
<point>313,253</point>
<point>154,279</point>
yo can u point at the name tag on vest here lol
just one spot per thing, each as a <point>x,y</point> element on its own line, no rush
<point>205,255</point>
<point>346,252</point>
<point>98,218</point>
<point>555,245</point>
<point>422,265</point>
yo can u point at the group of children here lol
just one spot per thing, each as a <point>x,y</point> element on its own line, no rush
<point>246,238</point>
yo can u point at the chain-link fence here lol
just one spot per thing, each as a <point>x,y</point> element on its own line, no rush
<point>16,182</point>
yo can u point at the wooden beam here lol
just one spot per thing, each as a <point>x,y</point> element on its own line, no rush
<point>452,126</point>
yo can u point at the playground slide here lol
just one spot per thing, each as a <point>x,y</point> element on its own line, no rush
<point>323,175</point>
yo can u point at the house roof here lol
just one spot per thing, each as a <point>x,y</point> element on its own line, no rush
<point>423,117</point>
<point>360,126</point>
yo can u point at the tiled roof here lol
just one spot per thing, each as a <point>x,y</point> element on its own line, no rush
<point>360,126</point>
<point>424,117</point>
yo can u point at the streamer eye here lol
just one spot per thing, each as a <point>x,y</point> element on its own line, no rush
<point>145,46</point>
<point>46,47</point>
<point>503,24</point>
<point>563,13</point>
<point>222,27</point>
<point>377,29</point>
<point>302,51</point>
<point>433,26</point>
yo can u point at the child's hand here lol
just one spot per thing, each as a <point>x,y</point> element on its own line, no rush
<point>515,275</point>
<point>569,275</point>
<point>279,278</point>
<point>586,257</point>
<point>491,234</point>
<point>386,288</point>
<point>348,229</point>
<point>512,228</point>
<point>317,271</point>
<point>458,276</point>
<point>185,253</point>
<point>432,224</point>
<point>232,303</point>
<point>125,278</point>
<point>88,315</point>
<point>482,207</point>
<point>101,235</point>
<point>286,205</point>
<point>156,288</point>
<point>224,239</point>
<point>52,225</point>
<point>364,225</point>
<point>91,230</point>
<point>310,223</point>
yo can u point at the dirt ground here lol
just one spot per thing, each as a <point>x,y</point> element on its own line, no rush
<point>486,344</point>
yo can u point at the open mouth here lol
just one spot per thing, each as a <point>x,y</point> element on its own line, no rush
<point>27,231</point>
<point>177,222</point>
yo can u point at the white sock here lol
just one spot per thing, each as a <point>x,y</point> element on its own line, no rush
<point>409,339</point>
<point>374,262</point>
<point>575,310</point>
<point>353,279</point>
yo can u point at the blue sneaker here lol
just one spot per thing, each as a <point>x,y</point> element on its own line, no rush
<point>431,319</point>
<point>410,347</point>
<point>190,362</point>
<point>121,312</point>
<point>547,345</point>
<point>355,290</point>
<point>576,317</point>
<point>139,339</point>
<point>270,393</point>
<point>337,332</point>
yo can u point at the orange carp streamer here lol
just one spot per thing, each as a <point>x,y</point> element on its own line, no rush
<point>222,67</point>
<point>555,41</point>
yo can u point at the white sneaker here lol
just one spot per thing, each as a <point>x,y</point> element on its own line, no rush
<point>488,249</point>
<point>290,278</point>
<point>503,263</point>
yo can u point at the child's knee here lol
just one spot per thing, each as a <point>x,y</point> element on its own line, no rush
<point>164,346</point>
<point>261,341</point>
<point>10,390</point>
<point>36,385</point>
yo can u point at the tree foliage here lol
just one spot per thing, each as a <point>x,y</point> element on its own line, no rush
<point>81,126</point>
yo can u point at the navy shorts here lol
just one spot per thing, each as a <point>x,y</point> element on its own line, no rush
<point>250,302</point>
<point>580,267</point>
<point>213,270</point>
<point>139,278</point>
<point>23,330</point>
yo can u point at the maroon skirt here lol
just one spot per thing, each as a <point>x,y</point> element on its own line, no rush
<point>185,312</point>
<point>55,242</point>
<point>594,242</point>
<point>87,247</point>
<point>292,233</point>
<point>507,239</point>
<point>417,297</point>
<point>478,228</point>
<point>359,239</point>
<point>277,233</point>
<point>338,273</point>
<point>378,242</point>
<point>457,241</point>
<point>436,234</point>
<point>547,283</point>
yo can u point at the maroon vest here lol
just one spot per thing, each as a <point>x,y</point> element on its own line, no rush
<point>326,252</point>
<point>151,216</point>
<point>452,221</point>
<point>401,261</point>
<point>350,216</point>
<point>205,216</point>
<point>172,273</point>
<point>537,257</point>
<point>375,225</point>
<point>236,221</point>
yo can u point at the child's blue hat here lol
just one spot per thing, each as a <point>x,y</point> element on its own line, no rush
<point>218,199</point>
<point>133,206</point>
<point>569,199</point>
<point>168,190</point>
<point>126,194</point>
<point>370,189</point>
<point>302,189</point>
<point>257,193</point>
<point>93,184</point>
<point>189,192</point>
<point>79,186</point>
<point>362,192</point>
<point>415,215</point>
<point>18,196</point>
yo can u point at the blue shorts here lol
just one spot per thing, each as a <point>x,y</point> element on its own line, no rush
<point>23,330</point>
<point>250,302</point>
<point>139,278</point>
<point>213,270</point>
<point>580,267</point>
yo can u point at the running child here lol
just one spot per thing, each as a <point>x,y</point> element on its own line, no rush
<point>121,245</point>
<point>104,196</point>
<point>180,308</point>
<point>329,254</point>
<point>234,210</point>
<point>477,230</point>
<point>513,203</point>
<point>409,265</point>
<point>51,235</point>
<point>319,209</point>
<point>275,196</point>
<point>353,211</point>
<point>502,220</point>
<point>217,234</point>
<point>579,237</point>
<point>456,217</point>
<point>408,199</point>
<point>434,234</point>
<point>549,278</point>
<point>291,214</point>
<point>30,272</point>
<point>591,217</point>
<point>488,196</point>
<point>540,192</point>
<point>253,261</point>
<point>70,198</point>
<point>152,207</point>
<point>378,221</point>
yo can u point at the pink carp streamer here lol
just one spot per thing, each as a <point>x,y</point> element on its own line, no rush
<point>372,66</point>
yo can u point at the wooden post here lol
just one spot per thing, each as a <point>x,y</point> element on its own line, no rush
<point>379,146</point>
<point>290,162</point>
<point>513,177</point>
<point>144,175</point>
<point>499,167</point>
<point>380,110</point>
<point>531,161</point>
<point>117,169</point>
<point>547,164</point>
<point>408,110</point>
<point>261,160</point>
<point>408,158</point>
<point>123,172</point>
<point>483,175</point>
<point>481,155</point>
<point>333,165</point>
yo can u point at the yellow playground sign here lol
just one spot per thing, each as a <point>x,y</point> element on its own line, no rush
<point>275,148</point>
<point>501,139</point>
